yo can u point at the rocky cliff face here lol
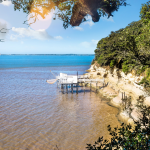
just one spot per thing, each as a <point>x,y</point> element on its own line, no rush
<point>118,78</point>
<point>121,82</point>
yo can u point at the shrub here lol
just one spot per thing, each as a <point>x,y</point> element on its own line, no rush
<point>112,63</point>
<point>125,67</point>
<point>145,12</point>
<point>146,79</point>
<point>148,72</point>
<point>139,71</point>
<point>101,60</point>
<point>93,61</point>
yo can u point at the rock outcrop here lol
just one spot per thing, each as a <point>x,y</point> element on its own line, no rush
<point>121,82</point>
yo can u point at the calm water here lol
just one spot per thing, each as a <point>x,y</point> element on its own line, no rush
<point>14,61</point>
<point>35,115</point>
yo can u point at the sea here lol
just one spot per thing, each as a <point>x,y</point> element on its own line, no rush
<point>35,115</point>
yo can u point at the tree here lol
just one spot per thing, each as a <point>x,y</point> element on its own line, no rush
<point>145,12</point>
<point>71,12</point>
<point>130,45</point>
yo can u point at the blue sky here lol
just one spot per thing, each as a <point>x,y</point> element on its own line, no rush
<point>22,39</point>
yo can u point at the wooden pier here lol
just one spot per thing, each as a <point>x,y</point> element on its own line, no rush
<point>70,82</point>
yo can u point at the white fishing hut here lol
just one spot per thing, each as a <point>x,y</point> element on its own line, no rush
<point>73,81</point>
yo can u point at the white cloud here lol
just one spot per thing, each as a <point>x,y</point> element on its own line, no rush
<point>58,37</point>
<point>23,32</point>
<point>109,19</point>
<point>6,3</point>
<point>5,22</point>
<point>78,28</point>
<point>89,22</point>
<point>93,43</point>
<point>14,37</point>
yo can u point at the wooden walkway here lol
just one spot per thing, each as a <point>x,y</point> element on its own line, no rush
<point>71,82</point>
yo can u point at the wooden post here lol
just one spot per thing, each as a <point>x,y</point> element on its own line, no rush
<point>72,88</point>
<point>67,88</point>
<point>84,85</point>
<point>90,86</point>
<point>77,88</point>
<point>62,88</point>
<point>126,102</point>
<point>77,75</point>
<point>96,86</point>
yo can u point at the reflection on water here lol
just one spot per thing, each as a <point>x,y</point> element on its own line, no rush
<point>35,115</point>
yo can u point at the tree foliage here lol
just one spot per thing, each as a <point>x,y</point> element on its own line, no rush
<point>145,12</point>
<point>128,47</point>
<point>71,12</point>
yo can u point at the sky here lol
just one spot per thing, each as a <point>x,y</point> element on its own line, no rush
<point>49,37</point>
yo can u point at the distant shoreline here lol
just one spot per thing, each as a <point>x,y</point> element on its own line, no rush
<point>54,54</point>
<point>19,61</point>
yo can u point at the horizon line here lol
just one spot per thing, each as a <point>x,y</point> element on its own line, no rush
<point>47,54</point>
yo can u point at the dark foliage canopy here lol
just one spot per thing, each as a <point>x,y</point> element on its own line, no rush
<point>128,48</point>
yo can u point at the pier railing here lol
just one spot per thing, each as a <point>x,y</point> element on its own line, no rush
<point>91,80</point>
<point>67,81</point>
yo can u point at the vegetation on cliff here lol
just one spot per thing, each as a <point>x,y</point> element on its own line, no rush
<point>128,48</point>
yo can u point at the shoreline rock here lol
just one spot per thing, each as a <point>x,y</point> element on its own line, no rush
<point>119,82</point>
